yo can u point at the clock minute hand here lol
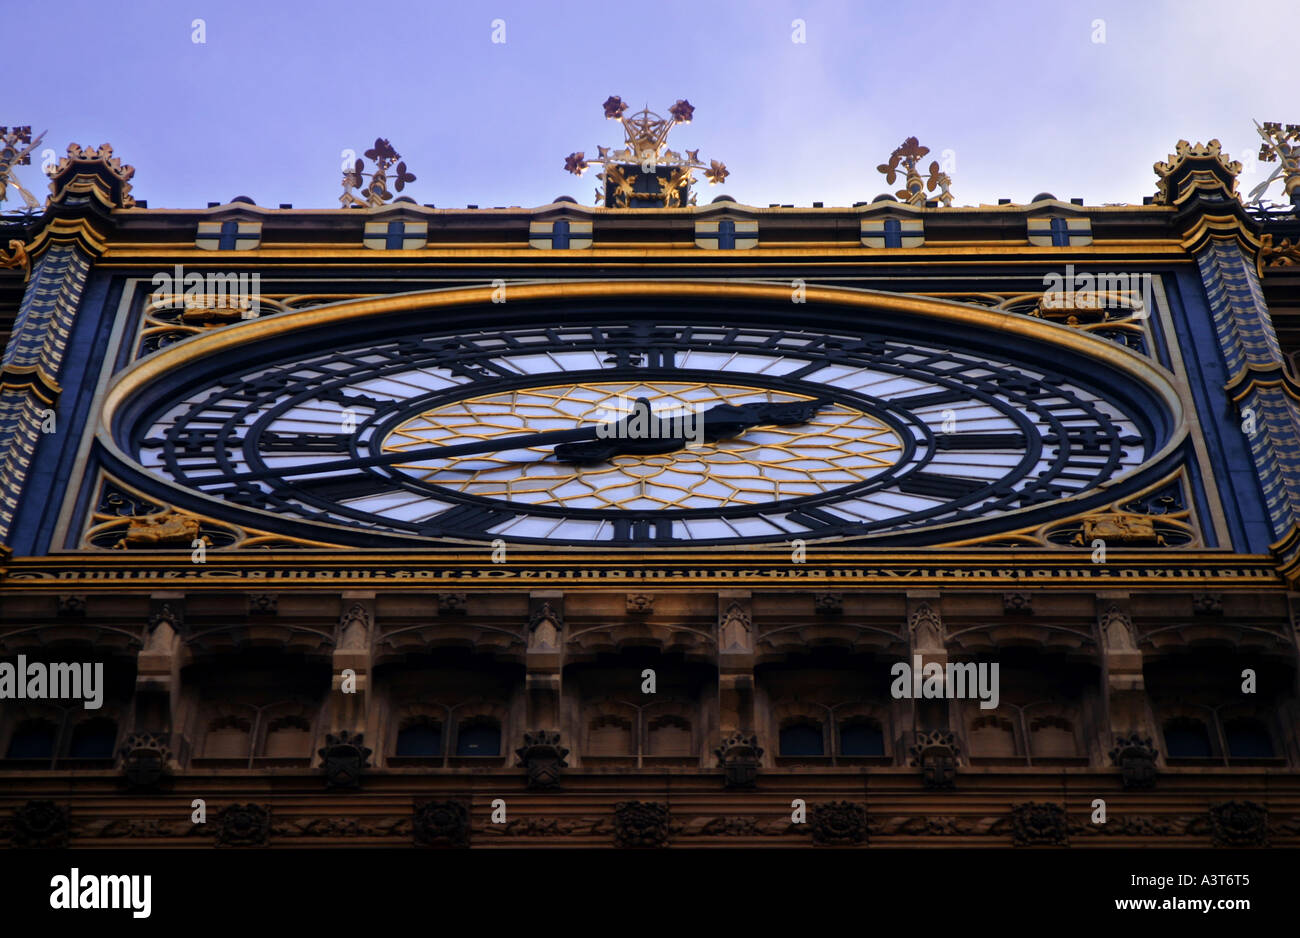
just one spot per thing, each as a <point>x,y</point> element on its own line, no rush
<point>490,445</point>
<point>724,420</point>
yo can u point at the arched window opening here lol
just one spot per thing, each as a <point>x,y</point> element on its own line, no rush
<point>802,739</point>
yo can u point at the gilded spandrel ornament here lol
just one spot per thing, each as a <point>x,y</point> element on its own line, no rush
<point>16,146</point>
<point>375,192</point>
<point>645,152</point>
<point>1282,146</point>
<point>907,157</point>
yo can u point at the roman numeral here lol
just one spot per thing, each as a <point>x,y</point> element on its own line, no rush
<point>929,400</point>
<point>642,532</point>
<point>657,357</point>
<point>342,488</point>
<point>336,443</point>
<point>193,441</point>
<point>815,519</point>
<point>939,486</point>
<point>248,496</point>
<point>339,396</point>
<point>465,519</point>
<point>979,441</point>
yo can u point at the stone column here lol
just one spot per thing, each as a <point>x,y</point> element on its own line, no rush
<point>1124,686</point>
<point>927,639</point>
<point>157,676</point>
<point>353,650</point>
<point>735,662</point>
<point>544,659</point>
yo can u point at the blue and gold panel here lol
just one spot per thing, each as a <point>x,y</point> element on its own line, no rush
<point>893,233</point>
<point>1055,231</point>
<point>229,235</point>
<point>396,235</point>
<point>726,234</point>
<point>560,234</point>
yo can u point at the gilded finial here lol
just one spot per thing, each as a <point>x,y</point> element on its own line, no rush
<point>909,155</point>
<point>16,146</point>
<point>665,175</point>
<point>1282,146</point>
<point>375,193</point>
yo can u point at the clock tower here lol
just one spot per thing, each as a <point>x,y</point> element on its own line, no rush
<point>977,512</point>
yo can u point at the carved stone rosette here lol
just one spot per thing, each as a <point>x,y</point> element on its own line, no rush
<point>441,824</point>
<point>1039,824</point>
<point>828,604</point>
<point>739,757</point>
<point>542,759</point>
<point>838,823</point>
<point>40,823</point>
<point>1239,824</point>
<point>641,824</point>
<point>244,825</point>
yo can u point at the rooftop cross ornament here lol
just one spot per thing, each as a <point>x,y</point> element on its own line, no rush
<point>668,174</point>
<point>1282,146</point>
<point>374,193</point>
<point>16,146</point>
<point>909,155</point>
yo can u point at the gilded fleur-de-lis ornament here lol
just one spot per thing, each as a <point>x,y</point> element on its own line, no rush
<point>908,156</point>
<point>1282,146</point>
<point>644,173</point>
<point>16,146</point>
<point>375,192</point>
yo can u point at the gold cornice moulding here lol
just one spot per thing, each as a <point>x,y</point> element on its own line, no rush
<point>1222,228</point>
<point>33,379</point>
<point>81,232</point>
<point>1287,553</point>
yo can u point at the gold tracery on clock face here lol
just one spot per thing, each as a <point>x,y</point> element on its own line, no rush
<point>839,446</point>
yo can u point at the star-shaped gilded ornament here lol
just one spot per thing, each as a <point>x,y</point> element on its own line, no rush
<point>716,173</point>
<point>682,111</point>
<point>575,163</point>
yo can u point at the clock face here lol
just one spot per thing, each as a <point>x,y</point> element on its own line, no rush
<point>530,433</point>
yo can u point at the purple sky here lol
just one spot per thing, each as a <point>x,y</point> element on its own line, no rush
<point>1018,91</point>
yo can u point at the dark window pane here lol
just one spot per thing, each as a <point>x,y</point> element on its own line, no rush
<point>421,739</point>
<point>32,739</point>
<point>802,739</point>
<point>1248,739</point>
<point>93,740</point>
<point>479,739</point>
<point>861,739</point>
<point>1187,739</point>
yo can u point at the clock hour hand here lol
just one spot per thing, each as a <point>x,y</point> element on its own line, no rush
<point>641,433</point>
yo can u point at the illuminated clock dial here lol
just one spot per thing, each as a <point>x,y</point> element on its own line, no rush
<point>463,436</point>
